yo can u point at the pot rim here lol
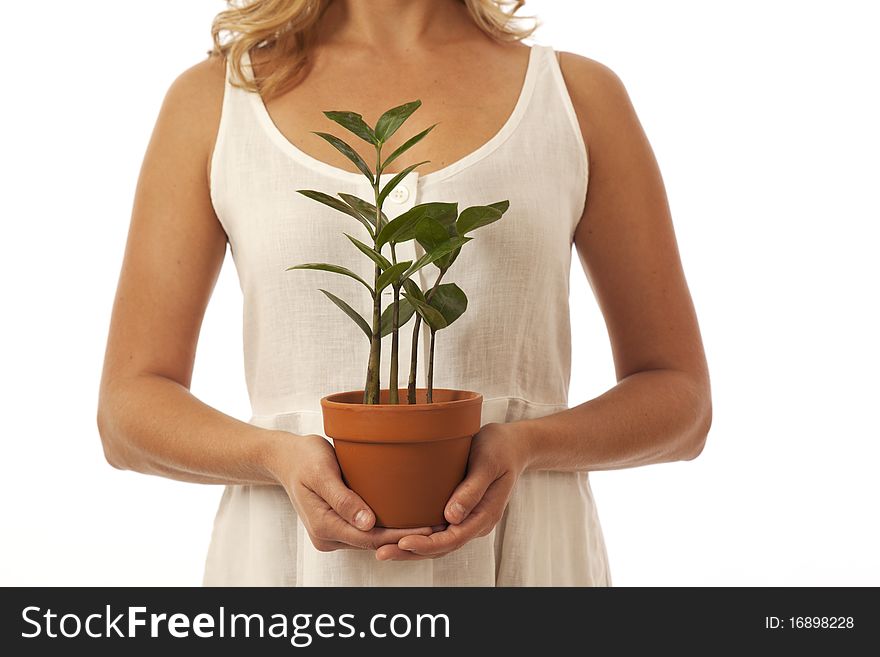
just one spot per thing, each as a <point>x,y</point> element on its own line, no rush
<point>329,402</point>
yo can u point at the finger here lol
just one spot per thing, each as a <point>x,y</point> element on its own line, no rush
<point>452,538</point>
<point>329,546</point>
<point>347,504</point>
<point>386,536</point>
<point>468,493</point>
<point>394,553</point>
<point>479,522</point>
<point>339,530</point>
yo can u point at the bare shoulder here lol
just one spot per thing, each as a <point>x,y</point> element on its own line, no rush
<point>201,82</point>
<point>584,73</point>
<point>597,93</point>
<point>192,105</point>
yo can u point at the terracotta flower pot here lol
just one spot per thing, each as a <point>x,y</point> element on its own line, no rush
<point>404,460</point>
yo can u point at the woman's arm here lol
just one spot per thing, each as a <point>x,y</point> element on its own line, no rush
<point>660,410</point>
<point>147,418</point>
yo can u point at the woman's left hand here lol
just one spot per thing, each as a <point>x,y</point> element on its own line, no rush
<point>497,459</point>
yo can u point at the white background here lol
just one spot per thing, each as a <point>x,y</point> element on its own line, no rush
<point>763,117</point>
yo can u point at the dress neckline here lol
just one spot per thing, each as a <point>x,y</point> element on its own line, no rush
<point>293,151</point>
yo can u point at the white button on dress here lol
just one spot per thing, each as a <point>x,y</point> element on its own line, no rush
<point>399,194</point>
<point>513,345</point>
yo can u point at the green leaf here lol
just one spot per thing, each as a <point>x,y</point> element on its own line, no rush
<point>402,228</point>
<point>371,253</point>
<point>336,269</point>
<point>433,317</point>
<point>351,312</point>
<point>447,247</point>
<point>450,301</point>
<point>430,233</point>
<point>444,213</point>
<point>446,261</point>
<point>366,209</point>
<point>392,274</point>
<point>405,314</point>
<point>336,204</point>
<point>500,206</point>
<point>403,223</point>
<point>476,216</point>
<point>447,218</point>
<point>409,143</point>
<point>391,120</point>
<point>412,288</point>
<point>386,190</point>
<point>353,123</point>
<point>349,152</point>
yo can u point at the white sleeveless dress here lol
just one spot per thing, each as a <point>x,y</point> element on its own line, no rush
<point>513,344</point>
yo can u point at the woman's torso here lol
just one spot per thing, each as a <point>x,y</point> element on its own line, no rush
<point>514,341</point>
<point>511,135</point>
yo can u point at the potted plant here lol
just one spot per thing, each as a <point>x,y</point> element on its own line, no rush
<point>404,457</point>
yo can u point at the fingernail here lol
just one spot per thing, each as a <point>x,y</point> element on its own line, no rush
<point>456,510</point>
<point>362,519</point>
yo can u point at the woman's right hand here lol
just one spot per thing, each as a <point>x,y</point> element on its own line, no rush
<point>335,516</point>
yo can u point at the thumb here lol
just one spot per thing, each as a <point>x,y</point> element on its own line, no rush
<point>346,503</point>
<point>468,494</point>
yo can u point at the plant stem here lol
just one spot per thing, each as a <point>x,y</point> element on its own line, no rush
<point>371,387</point>
<point>393,397</point>
<point>430,394</point>
<point>413,362</point>
<point>435,286</point>
<point>395,318</point>
<point>414,358</point>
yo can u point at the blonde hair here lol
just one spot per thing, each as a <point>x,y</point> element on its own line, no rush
<point>288,27</point>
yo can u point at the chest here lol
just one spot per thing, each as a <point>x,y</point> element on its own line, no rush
<point>532,159</point>
<point>470,104</point>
